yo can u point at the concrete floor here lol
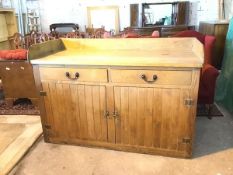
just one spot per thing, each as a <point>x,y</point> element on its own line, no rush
<point>213,155</point>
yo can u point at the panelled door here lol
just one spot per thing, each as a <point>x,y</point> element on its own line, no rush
<point>153,117</point>
<point>75,111</point>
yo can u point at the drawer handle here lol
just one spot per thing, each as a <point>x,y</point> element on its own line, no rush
<point>76,76</point>
<point>155,77</point>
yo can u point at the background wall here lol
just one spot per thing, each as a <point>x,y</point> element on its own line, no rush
<point>229,9</point>
<point>75,11</point>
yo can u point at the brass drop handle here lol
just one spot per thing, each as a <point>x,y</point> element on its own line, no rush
<point>76,76</point>
<point>115,114</point>
<point>154,78</point>
<point>106,114</point>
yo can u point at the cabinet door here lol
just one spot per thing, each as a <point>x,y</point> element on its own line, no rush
<point>75,111</point>
<point>153,117</point>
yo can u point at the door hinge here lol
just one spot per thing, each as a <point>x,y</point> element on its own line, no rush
<point>186,140</point>
<point>46,126</point>
<point>43,93</point>
<point>189,102</point>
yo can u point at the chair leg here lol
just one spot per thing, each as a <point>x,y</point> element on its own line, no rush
<point>209,109</point>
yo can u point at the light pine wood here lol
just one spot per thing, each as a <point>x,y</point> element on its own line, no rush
<point>82,105</point>
<point>3,31</point>
<point>164,77</point>
<point>8,28</point>
<point>172,52</point>
<point>18,133</point>
<point>13,131</point>
<point>113,107</point>
<point>93,75</point>
<point>110,119</point>
<point>144,119</point>
<point>219,30</point>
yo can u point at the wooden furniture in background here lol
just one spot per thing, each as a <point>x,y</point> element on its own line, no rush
<point>8,27</point>
<point>134,15</point>
<point>179,12</point>
<point>108,93</point>
<point>164,31</point>
<point>219,30</point>
<point>18,133</point>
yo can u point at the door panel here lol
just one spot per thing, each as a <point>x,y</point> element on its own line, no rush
<point>152,117</point>
<point>76,111</point>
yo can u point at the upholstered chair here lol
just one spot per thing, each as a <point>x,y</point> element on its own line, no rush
<point>209,73</point>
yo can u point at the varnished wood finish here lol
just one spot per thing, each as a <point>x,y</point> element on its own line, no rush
<point>82,105</point>
<point>134,15</point>
<point>164,31</point>
<point>123,112</point>
<point>163,77</point>
<point>91,75</point>
<point>8,27</point>
<point>17,79</point>
<point>147,52</point>
<point>219,30</point>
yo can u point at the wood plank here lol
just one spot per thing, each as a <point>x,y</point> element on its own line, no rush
<point>75,108</point>
<point>117,98</point>
<point>102,101</point>
<point>89,112</point>
<point>164,77</point>
<point>157,119</point>
<point>148,112</point>
<point>56,129</point>
<point>85,74</point>
<point>111,120</point>
<point>129,148</point>
<point>183,120</point>
<point>24,130</point>
<point>49,119</point>
<point>9,132</point>
<point>118,52</point>
<point>96,112</point>
<point>61,96</point>
<point>140,116</point>
<point>82,110</point>
<point>133,115</point>
<point>173,135</point>
<point>165,128</point>
<point>125,128</point>
<point>70,114</point>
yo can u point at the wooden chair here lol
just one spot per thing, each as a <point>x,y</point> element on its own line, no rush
<point>95,32</point>
<point>43,37</point>
<point>18,41</point>
<point>73,35</point>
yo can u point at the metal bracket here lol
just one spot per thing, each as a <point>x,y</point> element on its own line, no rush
<point>106,114</point>
<point>43,93</point>
<point>186,140</point>
<point>115,114</point>
<point>189,102</point>
<point>46,126</point>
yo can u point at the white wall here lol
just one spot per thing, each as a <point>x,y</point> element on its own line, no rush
<point>229,9</point>
<point>59,11</point>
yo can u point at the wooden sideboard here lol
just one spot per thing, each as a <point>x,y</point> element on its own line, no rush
<point>8,27</point>
<point>135,95</point>
<point>219,30</point>
<point>164,31</point>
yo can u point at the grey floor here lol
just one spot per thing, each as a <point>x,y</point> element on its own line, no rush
<point>213,155</point>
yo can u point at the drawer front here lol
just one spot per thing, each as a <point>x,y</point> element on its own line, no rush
<point>73,74</point>
<point>157,77</point>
